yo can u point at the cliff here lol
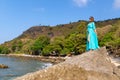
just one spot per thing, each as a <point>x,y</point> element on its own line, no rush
<point>92,65</point>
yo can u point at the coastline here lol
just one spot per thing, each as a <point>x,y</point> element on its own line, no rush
<point>81,67</point>
<point>51,59</point>
<point>54,59</point>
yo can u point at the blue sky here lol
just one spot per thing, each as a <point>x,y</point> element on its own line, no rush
<point>17,16</point>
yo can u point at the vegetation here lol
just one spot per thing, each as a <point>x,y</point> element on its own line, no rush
<point>4,50</point>
<point>39,44</point>
<point>62,40</point>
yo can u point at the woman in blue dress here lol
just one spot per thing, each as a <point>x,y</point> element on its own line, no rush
<point>92,41</point>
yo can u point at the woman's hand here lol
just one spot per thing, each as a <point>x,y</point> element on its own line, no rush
<point>88,38</point>
<point>95,31</point>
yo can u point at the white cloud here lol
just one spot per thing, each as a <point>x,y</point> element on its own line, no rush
<point>81,3</point>
<point>116,4</point>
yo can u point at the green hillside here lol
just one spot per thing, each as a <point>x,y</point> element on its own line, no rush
<point>64,39</point>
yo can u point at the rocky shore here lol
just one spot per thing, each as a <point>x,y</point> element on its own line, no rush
<point>92,65</point>
<point>51,59</point>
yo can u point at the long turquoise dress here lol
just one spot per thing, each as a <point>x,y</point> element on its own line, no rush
<point>92,44</point>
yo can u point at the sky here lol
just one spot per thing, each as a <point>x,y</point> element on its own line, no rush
<point>16,16</point>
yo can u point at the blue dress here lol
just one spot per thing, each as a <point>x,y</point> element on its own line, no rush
<point>93,41</point>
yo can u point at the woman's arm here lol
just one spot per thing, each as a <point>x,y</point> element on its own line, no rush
<point>94,27</point>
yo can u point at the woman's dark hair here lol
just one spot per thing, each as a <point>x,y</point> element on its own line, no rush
<point>91,18</point>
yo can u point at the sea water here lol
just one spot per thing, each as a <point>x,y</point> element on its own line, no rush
<point>19,66</point>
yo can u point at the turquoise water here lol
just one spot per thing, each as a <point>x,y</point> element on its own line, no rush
<point>19,66</point>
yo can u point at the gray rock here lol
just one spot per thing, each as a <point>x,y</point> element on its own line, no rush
<point>93,60</point>
<point>92,65</point>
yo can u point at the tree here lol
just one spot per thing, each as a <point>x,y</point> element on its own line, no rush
<point>39,44</point>
<point>16,45</point>
<point>4,50</point>
<point>79,41</point>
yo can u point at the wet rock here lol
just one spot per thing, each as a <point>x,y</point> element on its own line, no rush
<point>3,66</point>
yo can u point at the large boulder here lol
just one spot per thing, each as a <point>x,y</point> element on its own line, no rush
<point>92,65</point>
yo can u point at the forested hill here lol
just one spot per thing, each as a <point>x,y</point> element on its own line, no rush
<point>64,39</point>
<point>62,29</point>
<point>51,31</point>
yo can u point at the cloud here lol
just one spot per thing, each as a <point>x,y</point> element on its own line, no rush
<point>81,3</point>
<point>116,4</point>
